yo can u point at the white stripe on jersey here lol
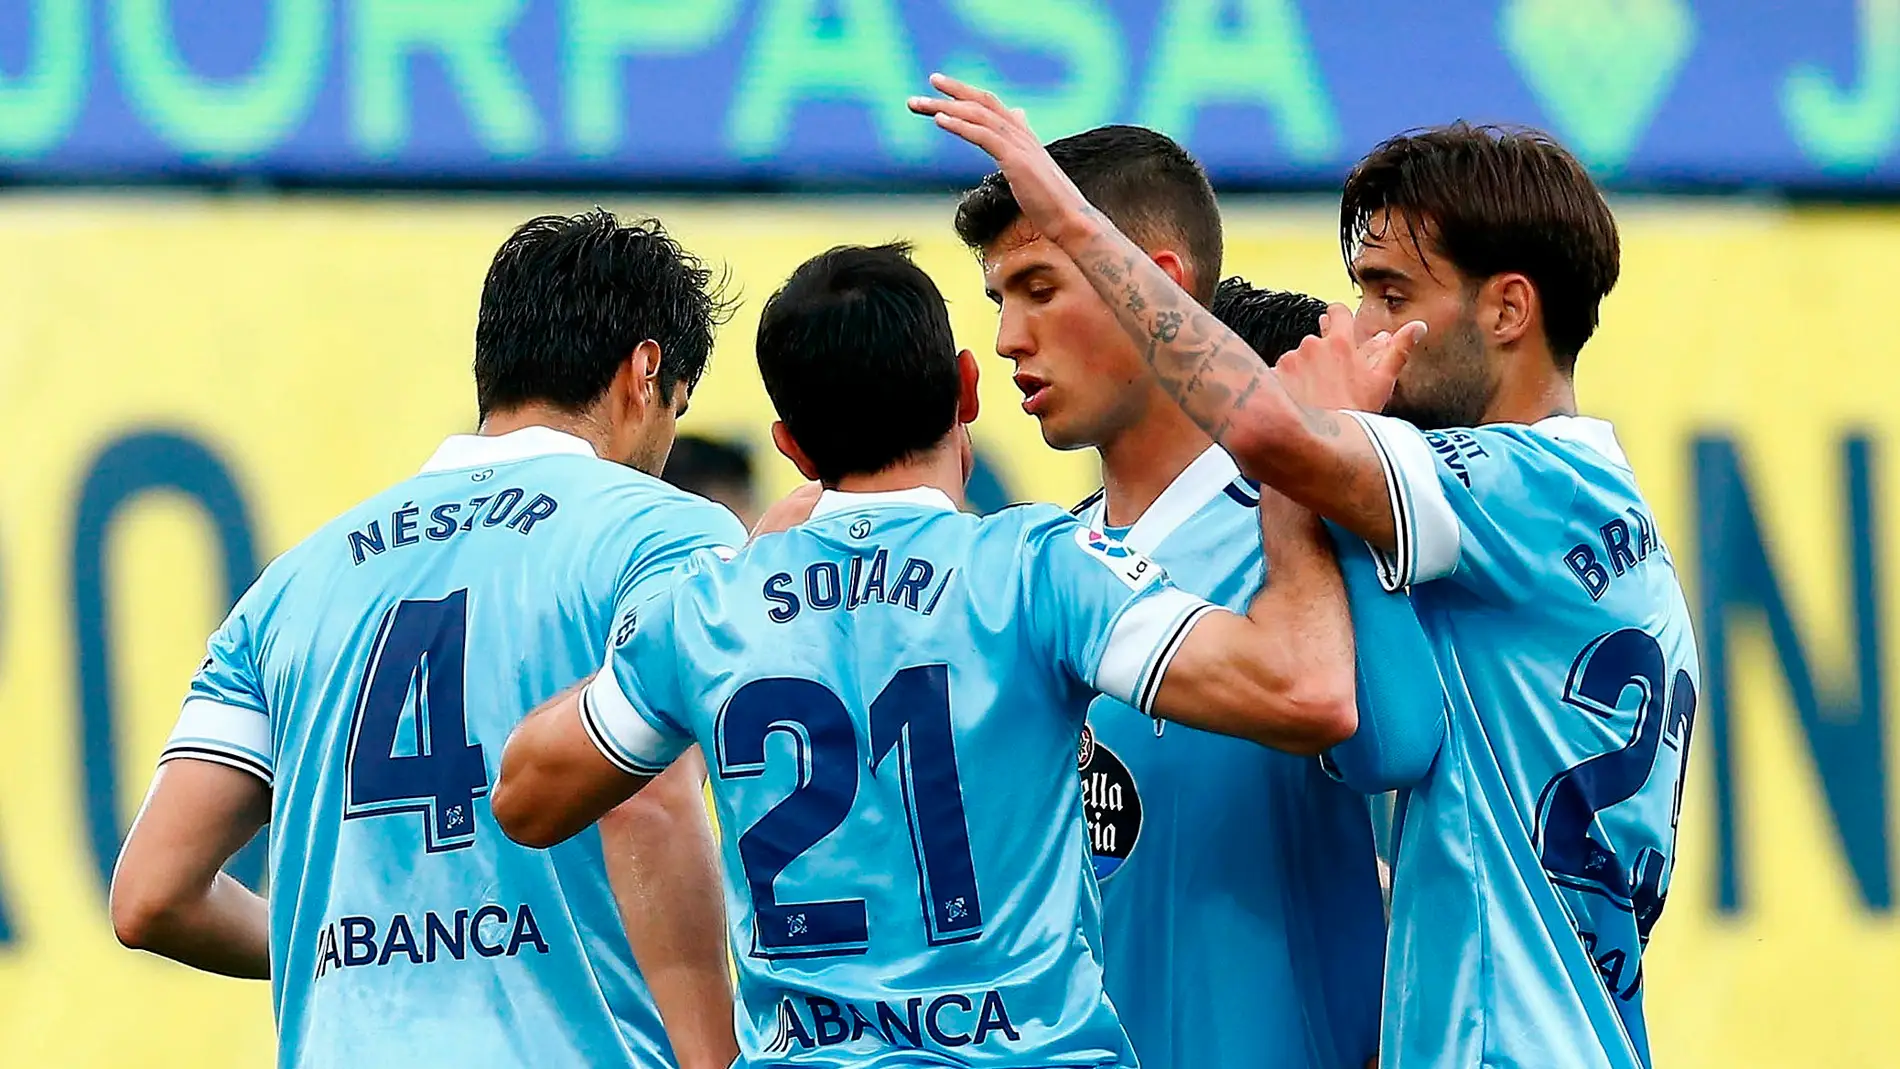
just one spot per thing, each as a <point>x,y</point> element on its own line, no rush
<point>1146,637</point>
<point>1422,519</point>
<point>226,734</point>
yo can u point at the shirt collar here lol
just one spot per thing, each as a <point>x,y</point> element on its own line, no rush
<point>1589,431</point>
<point>481,450</point>
<point>844,501</point>
<point>1193,488</point>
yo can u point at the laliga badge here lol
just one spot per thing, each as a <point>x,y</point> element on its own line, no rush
<point>1130,566</point>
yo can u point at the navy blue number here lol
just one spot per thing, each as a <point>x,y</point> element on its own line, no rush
<point>419,651</point>
<point>1568,808</point>
<point>827,748</point>
<point>912,714</point>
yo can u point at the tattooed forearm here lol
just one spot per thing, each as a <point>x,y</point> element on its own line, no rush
<point>1208,370</point>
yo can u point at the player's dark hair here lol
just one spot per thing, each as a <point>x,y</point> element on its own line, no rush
<point>857,356</point>
<point>1492,199</point>
<point>569,298</point>
<point>697,464</point>
<point>1271,322</point>
<point>1145,183</point>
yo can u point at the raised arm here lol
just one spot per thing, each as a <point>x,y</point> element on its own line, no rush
<point>1318,457</point>
<point>168,895</point>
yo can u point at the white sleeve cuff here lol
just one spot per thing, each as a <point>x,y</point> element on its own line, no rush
<point>1145,637</point>
<point>1422,517</point>
<point>230,735</point>
<point>622,735</point>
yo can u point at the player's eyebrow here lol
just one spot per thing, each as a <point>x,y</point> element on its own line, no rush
<point>1363,275</point>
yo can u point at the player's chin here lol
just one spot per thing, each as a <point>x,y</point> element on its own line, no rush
<point>1058,434</point>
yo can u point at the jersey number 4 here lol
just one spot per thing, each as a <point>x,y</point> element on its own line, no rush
<point>416,666</point>
<point>910,717</point>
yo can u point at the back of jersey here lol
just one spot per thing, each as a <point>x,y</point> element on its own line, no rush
<point>372,676</point>
<point>1537,855</point>
<point>891,699</point>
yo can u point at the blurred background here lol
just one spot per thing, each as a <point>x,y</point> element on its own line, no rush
<point>242,241</point>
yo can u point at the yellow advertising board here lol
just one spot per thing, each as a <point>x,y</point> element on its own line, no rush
<point>188,386</point>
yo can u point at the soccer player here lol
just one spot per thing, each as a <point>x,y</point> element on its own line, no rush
<point>1242,916</point>
<point>891,696</point>
<point>358,696</point>
<point>1536,853</point>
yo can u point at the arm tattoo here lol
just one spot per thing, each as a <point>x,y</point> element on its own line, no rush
<point>1208,370</point>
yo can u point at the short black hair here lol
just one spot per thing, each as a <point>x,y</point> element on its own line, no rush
<point>698,462</point>
<point>857,356</point>
<point>1146,184</point>
<point>1271,322</point>
<point>1494,199</point>
<point>569,297</point>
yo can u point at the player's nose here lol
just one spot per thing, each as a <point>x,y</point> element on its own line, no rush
<point>1014,339</point>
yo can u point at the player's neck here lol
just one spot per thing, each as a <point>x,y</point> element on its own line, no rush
<point>579,424</point>
<point>1140,463</point>
<point>940,468</point>
<point>1530,398</point>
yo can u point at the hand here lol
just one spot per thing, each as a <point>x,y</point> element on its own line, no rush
<point>789,511</point>
<point>1330,371</point>
<point>1050,202</point>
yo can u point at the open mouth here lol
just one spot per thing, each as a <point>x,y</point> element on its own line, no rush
<point>1035,392</point>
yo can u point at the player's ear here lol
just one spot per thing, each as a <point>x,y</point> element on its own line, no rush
<point>1510,307</point>
<point>1170,261</point>
<point>782,438</point>
<point>966,390</point>
<point>645,366</point>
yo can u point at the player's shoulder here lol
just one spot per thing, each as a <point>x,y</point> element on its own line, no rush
<point>1018,532</point>
<point>1575,453</point>
<point>317,560</point>
<point>1029,517</point>
<point>615,499</point>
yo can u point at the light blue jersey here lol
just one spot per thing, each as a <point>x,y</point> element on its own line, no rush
<point>891,698</point>
<point>1243,922</point>
<point>371,676</point>
<point>1536,854</point>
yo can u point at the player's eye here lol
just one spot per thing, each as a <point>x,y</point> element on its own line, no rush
<point>1042,294</point>
<point>1392,300</point>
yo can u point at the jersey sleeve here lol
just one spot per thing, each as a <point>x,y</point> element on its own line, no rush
<point>1105,613</point>
<point>1401,698</point>
<point>691,527</point>
<point>632,709</point>
<point>225,718</point>
<point>1468,505</point>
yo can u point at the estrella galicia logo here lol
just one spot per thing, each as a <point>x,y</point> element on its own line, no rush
<point>626,628</point>
<point>1111,806</point>
<point>1129,565</point>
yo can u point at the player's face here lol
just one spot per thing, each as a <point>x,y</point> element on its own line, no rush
<point>1449,381</point>
<point>1079,373</point>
